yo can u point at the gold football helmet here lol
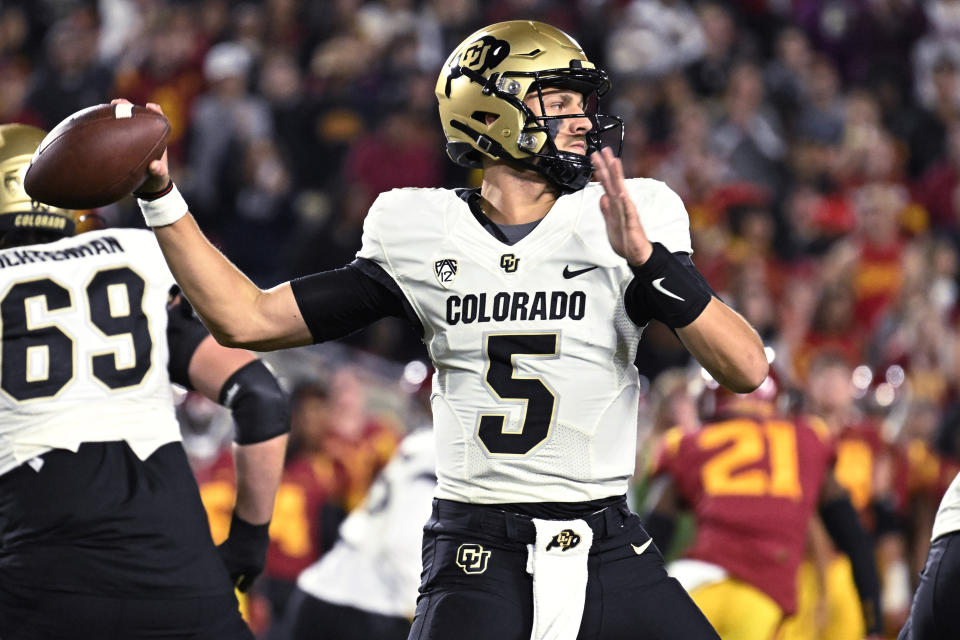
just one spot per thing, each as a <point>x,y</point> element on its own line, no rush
<point>17,209</point>
<point>492,71</point>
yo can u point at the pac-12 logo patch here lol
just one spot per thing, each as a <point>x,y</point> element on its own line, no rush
<point>566,539</point>
<point>472,558</point>
<point>446,271</point>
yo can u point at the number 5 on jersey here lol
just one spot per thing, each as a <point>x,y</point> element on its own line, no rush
<point>503,352</point>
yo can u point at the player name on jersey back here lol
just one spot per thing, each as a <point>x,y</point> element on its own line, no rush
<point>19,257</point>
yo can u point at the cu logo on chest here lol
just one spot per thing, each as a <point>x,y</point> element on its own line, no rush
<point>566,539</point>
<point>472,558</point>
<point>509,262</point>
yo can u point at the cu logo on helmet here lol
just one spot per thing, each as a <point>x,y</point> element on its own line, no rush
<point>472,558</point>
<point>484,54</point>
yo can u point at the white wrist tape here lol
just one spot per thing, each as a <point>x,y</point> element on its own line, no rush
<point>164,210</point>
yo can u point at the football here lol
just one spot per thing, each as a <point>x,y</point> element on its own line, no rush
<point>96,156</point>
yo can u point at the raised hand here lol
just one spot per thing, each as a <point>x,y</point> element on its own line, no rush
<point>624,230</point>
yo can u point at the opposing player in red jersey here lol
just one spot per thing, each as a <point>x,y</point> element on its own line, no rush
<point>754,480</point>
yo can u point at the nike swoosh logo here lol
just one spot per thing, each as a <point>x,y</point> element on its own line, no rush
<point>659,287</point>
<point>573,274</point>
<point>639,549</point>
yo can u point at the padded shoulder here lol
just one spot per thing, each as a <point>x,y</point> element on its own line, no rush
<point>410,217</point>
<point>662,213</point>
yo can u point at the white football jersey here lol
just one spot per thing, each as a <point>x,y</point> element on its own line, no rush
<point>535,393</point>
<point>948,516</point>
<point>375,565</point>
<point>84,345</point>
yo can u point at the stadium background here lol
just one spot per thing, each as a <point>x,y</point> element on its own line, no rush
<point>816,144</point>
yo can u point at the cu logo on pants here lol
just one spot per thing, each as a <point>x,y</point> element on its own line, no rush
<point>472,558</point>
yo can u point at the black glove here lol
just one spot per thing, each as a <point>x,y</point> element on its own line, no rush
<point>244,552</point>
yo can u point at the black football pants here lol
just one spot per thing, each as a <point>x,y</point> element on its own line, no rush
<point>628,596</point>
<point>933,614</point>
<point>72,616</point>
<point>309,618</point>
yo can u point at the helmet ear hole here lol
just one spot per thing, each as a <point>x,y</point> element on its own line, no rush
<point>485,117</point>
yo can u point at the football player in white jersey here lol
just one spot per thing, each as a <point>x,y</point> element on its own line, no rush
<point>933,613</point>
<point>365,587</point>
<point>530,294</point>
<point>102,532</point>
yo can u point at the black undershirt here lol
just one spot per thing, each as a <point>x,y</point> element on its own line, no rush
<point>508,234</point>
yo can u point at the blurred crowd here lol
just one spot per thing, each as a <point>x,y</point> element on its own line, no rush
<point>815,143</point>
<point>339,443</point>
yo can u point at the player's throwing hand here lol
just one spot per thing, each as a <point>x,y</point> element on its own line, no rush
<point>627,236</point>
<point>159,172</point>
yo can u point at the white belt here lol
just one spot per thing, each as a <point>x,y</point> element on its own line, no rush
<point>557,560</point>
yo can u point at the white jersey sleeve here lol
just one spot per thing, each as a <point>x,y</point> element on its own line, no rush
<point>535,393</point>
<point>375,565</point>
<point>371,248</point>
<point>948,516</point>
<point>84,345</point>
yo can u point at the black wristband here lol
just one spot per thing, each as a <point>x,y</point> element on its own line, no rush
<point>156,194</point>
<point>668,291</point>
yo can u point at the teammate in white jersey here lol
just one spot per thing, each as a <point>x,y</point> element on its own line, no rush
<point>102,532</point>
<point>933,614</point>
<point>530,294</point>
<point>365,587</point>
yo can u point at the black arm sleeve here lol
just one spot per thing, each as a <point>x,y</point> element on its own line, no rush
<point>642,307</point>
<point>843,525</point>
<point>185,332</point>
<point>338,302</point>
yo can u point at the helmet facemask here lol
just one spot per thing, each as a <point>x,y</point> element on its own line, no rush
<point>568,170</point>
<point>488,75</point>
